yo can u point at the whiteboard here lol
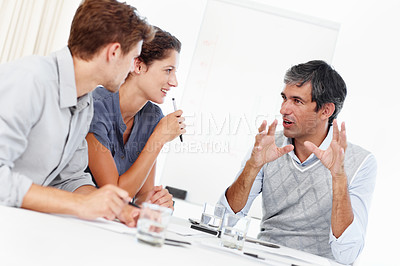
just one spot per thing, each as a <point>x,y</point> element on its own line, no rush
<point>236,76</point>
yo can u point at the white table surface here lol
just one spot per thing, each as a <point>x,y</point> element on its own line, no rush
<point>33,238</point>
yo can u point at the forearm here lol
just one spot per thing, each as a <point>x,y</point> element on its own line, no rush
<point>51,200</point>
<point>342,212</point>
<point>238,193</point>
<point>133,179</point>
<point>145,192</point>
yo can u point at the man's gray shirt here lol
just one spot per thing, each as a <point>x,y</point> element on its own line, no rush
<point>42,126</point>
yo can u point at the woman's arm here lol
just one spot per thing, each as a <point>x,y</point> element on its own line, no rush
<point>104,169</point>
<point>147,187</point>
<point>102,163</point>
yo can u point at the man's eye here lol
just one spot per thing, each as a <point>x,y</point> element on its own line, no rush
<point>297,101</point>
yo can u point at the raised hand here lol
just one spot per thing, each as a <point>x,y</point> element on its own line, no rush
<point>333,157</point>
<point>265,149</point>
<point>170,127</point>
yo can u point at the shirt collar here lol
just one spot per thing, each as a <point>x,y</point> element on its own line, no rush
<point>66,73</point>
<point>324,145</point>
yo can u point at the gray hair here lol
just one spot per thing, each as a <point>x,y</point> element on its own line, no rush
<point>327,85</point>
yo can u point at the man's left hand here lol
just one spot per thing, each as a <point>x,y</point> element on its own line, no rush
<point>333,157</point>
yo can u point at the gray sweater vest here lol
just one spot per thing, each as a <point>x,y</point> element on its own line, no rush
<point>297,201</point>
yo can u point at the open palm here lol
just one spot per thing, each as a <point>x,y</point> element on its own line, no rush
<point>333,157</point>
<point>265,149</point>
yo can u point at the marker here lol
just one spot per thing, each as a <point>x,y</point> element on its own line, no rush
<point>174,103</point>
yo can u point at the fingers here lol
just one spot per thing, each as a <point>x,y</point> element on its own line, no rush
<point>114,203</point>
<point>152,192</point>
<point>168,204</point>
<point>335,135</point>
<point>263,126</point>
<point>162,197</point>
<point>182,125</point>
<point>115,200</point>
<point>114,208</point>
<point>343,137</point>
<point>179,122</point>
<point>124,195</point>
<point>262,133</point>
<point>129,216</point>
<point>150,195</point>
<point>159,193</point>
<point>178,113</point>
<point>339,136</point>
<point>272,128</point>
<point>313,148</point>
<point>286,149</point>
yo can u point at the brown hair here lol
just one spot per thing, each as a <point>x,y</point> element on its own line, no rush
<point>159,47</point>
<point>99,22</point>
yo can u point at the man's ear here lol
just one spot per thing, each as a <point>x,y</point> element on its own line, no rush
<point>113,51</point>
<point>327,110</point>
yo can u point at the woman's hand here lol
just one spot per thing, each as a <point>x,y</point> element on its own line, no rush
<point>170,127</point>
<point>160,196</point>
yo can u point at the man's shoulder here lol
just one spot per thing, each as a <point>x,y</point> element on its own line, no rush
<point>30,77</point>
<point>34,68</point>
<point>354,149</point>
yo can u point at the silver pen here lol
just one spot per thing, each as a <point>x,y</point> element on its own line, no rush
<point>174,103</point>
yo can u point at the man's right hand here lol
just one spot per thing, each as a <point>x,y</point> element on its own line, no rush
<point>265,149</point>
<point>107,202</point>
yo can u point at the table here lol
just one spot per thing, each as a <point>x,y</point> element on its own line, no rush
<point>34,238</point>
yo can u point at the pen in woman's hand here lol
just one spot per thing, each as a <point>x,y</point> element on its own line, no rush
<point>174,103</point>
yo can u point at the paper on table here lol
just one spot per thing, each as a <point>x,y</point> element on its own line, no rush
<point>215,245</point>
<point>283,256</point>
<point>102,223</point>
<point>287,255</point>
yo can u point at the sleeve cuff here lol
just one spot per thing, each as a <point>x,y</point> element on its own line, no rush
<point>13,187</point>
<point>351,233</point>
<point>349,245</point>
<point>22,189</point>
<point>85,179</point>
<point>223,201</point>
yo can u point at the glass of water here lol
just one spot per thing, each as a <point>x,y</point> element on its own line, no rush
<point>153,221</point>
<point>234,231</point>
<point>212,215</point>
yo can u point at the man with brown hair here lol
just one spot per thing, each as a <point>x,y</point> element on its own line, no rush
<point>46,109</point>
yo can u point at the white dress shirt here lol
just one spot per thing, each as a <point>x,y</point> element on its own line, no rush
<point>42,126</point>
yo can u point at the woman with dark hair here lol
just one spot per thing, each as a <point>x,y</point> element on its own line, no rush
<point>128,130</point>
